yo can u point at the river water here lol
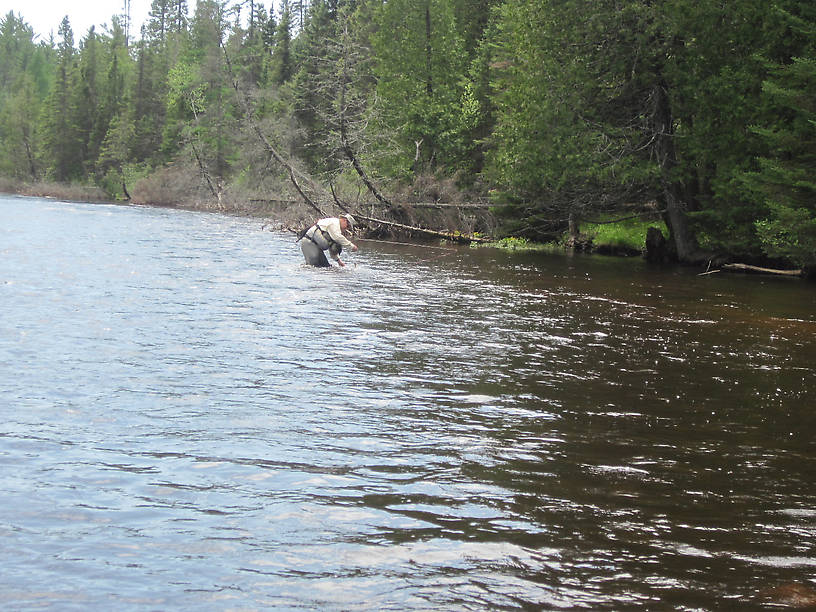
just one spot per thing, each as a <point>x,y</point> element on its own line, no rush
<point>193,419</point>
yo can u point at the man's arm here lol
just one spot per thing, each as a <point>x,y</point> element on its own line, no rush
<point>337,235</point>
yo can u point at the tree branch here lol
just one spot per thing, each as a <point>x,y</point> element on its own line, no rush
<point>263,139</point>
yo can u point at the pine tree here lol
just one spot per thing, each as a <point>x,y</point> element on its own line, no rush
<point>64,148</point>
<point>115,127</point>
<point>148,104</point>
<point>91,126</point>
<point>421,68</point>
<point>786,180</point>
<point>24,67</point>
<point>314,93</point>
<point>282,64</point>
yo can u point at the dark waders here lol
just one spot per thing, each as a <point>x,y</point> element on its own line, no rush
<point>313,243</point>
<point>313,254</point>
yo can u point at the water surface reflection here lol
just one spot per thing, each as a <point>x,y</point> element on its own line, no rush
<point>193,418</point>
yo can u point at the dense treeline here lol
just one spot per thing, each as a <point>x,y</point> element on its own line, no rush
<point>556,111</point>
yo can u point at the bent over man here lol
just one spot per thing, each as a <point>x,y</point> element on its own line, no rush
<point>327,235</point>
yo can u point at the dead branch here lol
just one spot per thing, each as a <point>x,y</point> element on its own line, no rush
<point>262,137</point>
<point>452,236</point>
<point>294,178</point>
<point>738,267</point>
<point>193,141</point>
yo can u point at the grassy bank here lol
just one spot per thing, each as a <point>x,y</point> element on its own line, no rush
<point>181,188</point>
<point>626,237</point>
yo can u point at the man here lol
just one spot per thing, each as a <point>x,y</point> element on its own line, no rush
<point>327,235</point>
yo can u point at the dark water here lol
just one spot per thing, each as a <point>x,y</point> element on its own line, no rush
<point>191,419</point>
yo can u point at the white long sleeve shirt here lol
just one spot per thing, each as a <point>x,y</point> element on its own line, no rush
<point>331,225</point>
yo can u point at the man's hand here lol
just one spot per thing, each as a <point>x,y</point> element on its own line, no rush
<point>354,248</point>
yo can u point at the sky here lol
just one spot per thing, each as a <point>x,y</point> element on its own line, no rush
<point>45,16</point>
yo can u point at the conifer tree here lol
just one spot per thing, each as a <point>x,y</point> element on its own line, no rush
<point>421,68</point>
<point>24,67</point>
<point>148,103</point>
<point>90,122</point>
<point>64,154</point>
<point>786,180</point>
<point>314,94</point>
<point>282,62</point>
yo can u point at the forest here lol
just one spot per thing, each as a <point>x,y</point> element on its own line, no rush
<point>553,112</point>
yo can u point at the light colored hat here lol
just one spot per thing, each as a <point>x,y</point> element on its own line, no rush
<point>351,221</point>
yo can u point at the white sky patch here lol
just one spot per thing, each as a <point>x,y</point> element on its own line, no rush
<point>45,16</point>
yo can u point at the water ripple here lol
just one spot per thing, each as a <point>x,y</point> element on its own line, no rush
<point>193,418</point>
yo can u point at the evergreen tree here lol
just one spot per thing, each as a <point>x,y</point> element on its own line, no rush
<point>25,68</point>
<point>148,104</point>
<point>91,125</point>
<point>178,22</point>
<point>633,101</point>
<point>64,148</point>
<point>314,90</point>
<point>159,23</point>
<point>421,69</point>
<point>254,50</point>
<point>200,102</point>
<point>115,125</point>
<point>282,63</point>
<point>549,147</point>
<point>786,180</point>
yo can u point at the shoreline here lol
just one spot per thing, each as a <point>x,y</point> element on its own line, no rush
<point>289,215</point>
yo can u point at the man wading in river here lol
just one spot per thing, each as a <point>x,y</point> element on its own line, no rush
<point>327,235</point>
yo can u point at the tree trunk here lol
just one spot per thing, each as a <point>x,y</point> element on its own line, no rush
<point>682,241</point>
<point>124,185</point>
<point>428,51</point>
<point>655,245</point>
<point>32,168</point>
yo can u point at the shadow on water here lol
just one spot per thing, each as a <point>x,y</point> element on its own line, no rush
<point>194,417</point>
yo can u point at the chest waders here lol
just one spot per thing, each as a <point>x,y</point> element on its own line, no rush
<point>314,242</point>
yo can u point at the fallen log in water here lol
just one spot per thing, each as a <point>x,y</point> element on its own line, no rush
<point>452,236</point>
<point>738,267</point>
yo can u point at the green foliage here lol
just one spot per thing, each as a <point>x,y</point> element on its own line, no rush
<point>61,129</point>
<point>786,178</point>
<point>421,69</point>
<point>628,235</point>
<point>791,234</point>
<point>572,132</point>
<point>282,67</point>
<point>23,67</point>
<point>511,243</point>
<point>554,109</point>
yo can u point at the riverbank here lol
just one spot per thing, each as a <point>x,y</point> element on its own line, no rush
<point>179,196</point>
<point>619,238</point>
<point>171,188</point>
<point>59,191</point>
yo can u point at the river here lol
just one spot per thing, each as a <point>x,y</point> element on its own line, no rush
<point>193,419</point>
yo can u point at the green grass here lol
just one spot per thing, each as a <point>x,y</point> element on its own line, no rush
<point>623,237</point>
<point>629,235</point>
<point>511,243</point>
